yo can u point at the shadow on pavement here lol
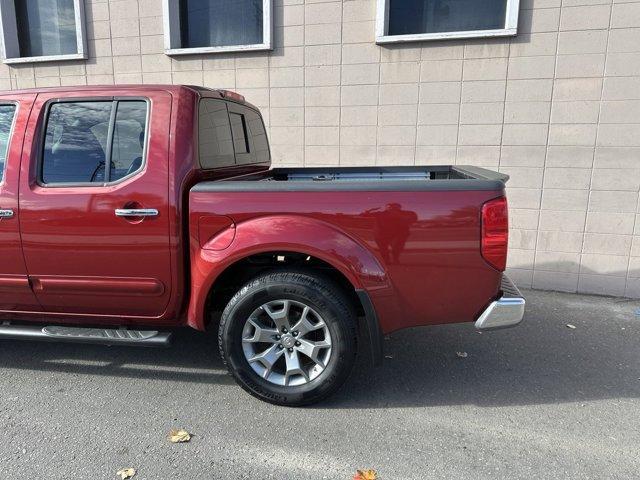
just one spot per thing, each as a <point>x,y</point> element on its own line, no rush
<point>540,362</point>
<point>193,357</point>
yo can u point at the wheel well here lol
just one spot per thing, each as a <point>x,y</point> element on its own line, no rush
<point>242,271</point>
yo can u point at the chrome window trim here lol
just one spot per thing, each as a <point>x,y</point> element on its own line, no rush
<point>9,140</point>
<point>114,100</point>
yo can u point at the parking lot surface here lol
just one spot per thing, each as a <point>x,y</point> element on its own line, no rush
<point>542,400</point>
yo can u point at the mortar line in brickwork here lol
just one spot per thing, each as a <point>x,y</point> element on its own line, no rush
<point>546,155</point>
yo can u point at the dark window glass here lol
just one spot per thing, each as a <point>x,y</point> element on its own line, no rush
<point>216,23</point>
<point>128,139</point>
<point>46,27</point>
<point>259,142</point>
<point>7,113</point>
<point>214,134</point>
<point>230,135</point>
<point>239,132</point>
<point>435,16</point>
<point>76,141</point>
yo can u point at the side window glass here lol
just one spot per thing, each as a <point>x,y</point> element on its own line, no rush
<point>76,142</point>
<point>214,134</point>
<point>7,112</point>
<point>128,139</point>
<point>76,147</point>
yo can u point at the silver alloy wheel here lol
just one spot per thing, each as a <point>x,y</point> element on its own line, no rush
<point>286,342</point>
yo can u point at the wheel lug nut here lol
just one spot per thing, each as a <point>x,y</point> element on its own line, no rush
<point>290,349</point>
<point>278,337</point>
<point>297,344</point>
<point>284,330</point>
<point>295,334</point>
<point>280,347</point>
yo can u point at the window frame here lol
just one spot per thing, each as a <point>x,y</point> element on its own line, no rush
<point>11,46</point>
<point>172,40</point>
<point>245,136</point>
<point>5,103</point>
<point>234,108</point>
<point>112,119</point>
<point>382,27</point>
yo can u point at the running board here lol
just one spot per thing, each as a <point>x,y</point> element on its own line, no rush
<point>104,336</point>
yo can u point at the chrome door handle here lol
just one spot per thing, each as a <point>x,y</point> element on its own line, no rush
<point>136,212</point>
<point>6,213</point>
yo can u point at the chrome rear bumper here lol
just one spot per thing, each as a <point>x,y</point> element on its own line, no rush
<point>505,312</point>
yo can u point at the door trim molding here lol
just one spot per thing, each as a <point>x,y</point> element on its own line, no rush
<point>12,283</point>
<point>148,287</point>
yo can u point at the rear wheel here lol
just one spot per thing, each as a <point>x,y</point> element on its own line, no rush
<point>289,338</point>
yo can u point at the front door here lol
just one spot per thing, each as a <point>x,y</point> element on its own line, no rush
<point>15,291</point>
<point>94,204</point>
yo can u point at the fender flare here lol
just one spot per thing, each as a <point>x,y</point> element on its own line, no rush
<point>290,233</point>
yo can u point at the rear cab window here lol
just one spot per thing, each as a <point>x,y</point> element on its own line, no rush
<point>230,134</point>
<point>7,116</point>
<point>93,142</point>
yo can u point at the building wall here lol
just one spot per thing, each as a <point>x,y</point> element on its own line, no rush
<point>557,108</point>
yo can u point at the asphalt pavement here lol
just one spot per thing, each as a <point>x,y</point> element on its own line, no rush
<point>542,400</point>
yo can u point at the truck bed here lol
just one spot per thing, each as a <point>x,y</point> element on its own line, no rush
<point>423,178</point>
<point>421,224</point>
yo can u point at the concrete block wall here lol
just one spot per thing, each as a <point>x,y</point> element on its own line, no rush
<point>557,108</point>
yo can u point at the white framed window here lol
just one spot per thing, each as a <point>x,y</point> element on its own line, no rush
<point>209,26</point>
<point>42,30</point>
<point>415,20</point>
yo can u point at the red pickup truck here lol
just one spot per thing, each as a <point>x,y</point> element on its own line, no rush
<point>126,212</point>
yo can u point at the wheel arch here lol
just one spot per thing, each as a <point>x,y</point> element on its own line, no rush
<point>313,245</point>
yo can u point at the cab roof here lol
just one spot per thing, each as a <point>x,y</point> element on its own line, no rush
<point>138,89</point>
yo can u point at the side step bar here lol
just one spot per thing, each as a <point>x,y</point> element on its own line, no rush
<point>103,336</point>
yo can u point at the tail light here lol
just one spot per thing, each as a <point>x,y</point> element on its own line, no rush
<point>495,232</point>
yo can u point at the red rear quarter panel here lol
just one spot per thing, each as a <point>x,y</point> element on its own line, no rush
<point>417,254</point>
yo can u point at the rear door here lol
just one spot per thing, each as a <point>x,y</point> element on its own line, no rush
<point>94,204</point>
<point>15,292</point>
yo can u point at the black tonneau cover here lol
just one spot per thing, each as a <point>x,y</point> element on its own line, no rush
<point>423,178</point>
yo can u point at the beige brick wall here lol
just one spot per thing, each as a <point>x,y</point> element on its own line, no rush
<point>557,108</point>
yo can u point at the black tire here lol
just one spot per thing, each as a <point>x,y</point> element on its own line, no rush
<point>319,293</point>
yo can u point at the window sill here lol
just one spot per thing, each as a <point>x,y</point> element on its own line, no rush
<point>47,58</point>
<point>231,48</point>
<point>419,37</point>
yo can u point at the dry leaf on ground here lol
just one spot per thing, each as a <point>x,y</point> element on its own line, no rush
<point>462,354</point>
<point>572,327</point>
<point>179,436</point>
<point>125,473</point>
<point>365,475</point>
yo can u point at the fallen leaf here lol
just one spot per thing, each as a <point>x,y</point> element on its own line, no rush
<point>365,475</point>
<point>462,354</point>
<point>572,327</point>
<point>126,473</point>
<point>388,356</point>
<point>179,436</point>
